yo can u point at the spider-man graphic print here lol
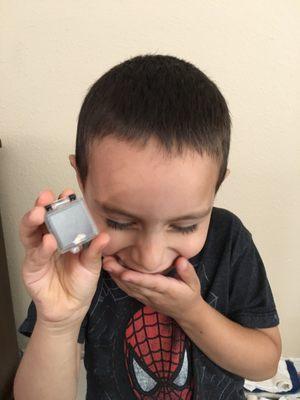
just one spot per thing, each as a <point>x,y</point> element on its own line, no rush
<point>157,357</point>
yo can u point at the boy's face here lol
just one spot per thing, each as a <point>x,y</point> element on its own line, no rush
<point>156,191</point>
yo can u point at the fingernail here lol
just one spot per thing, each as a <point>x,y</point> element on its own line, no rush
<point>107,259</point>
<point>184,263</point>
<point>107,268</point>
<point>106,241</point>
<point>43,191</point>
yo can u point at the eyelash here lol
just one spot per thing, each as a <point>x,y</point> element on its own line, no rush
<point>117,226</point>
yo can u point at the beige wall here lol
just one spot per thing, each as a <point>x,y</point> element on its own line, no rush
<point>52,51</point>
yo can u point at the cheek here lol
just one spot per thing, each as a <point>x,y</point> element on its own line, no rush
<point>194,244</point>
<point>117,239</point>
<point>187,246</point>
<point>117,242</point>
<point>112,246</point>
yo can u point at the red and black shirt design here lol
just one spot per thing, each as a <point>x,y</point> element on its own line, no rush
<point>157,357</point>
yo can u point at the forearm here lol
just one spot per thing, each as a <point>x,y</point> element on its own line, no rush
<point>48,366</point>
<point>245,352</point>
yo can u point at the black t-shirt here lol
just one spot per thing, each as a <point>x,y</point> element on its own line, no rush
<point>134,352</point>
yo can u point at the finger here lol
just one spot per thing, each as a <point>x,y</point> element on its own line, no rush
<point>44,198</point>
<point>47,248</point>
<point>66,193</point>
<point>137,280</point>
<point>42,255</point>
<point>187,273</point>
<point>30,230</point>
<point>111,265</point>
<point>90,258</point>
<point>156,283</point>
<point>142,295</point>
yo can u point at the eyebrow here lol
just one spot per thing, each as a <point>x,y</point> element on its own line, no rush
<point>112,209</point>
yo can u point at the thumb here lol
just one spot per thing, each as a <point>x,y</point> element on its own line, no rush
<point>91,257</point>
<point>187,273</point>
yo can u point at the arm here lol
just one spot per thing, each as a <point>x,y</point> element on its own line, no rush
<point>48,369</point>
<point>62,287</point>
<point>79,351</point>
<point>251,353</point>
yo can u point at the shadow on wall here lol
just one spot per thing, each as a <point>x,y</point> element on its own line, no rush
<point>8,340</point>
<point>27,166</point>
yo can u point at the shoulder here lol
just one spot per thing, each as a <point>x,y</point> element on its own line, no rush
<point>227,223</point>
<point>225,216</point>
<point>227,236</point>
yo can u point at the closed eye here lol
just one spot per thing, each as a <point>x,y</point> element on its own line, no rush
<point>118,226</point>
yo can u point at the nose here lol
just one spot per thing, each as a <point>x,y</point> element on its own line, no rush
<point>148,252</point>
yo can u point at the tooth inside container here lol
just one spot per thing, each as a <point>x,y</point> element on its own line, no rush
<point>79,238</point>
<point>75,249</point>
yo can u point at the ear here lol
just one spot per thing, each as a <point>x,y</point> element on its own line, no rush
<point>72,160</point>
<point>227,173</point>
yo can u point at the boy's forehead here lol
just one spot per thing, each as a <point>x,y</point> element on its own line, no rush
<point>117,167</point>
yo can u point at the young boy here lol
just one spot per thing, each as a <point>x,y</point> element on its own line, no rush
<point>171,299</point>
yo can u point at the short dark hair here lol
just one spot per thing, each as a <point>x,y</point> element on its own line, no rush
<point>157,96</point>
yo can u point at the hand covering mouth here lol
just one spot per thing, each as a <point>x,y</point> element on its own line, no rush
<point>168,271</point>
<point>120,261</point>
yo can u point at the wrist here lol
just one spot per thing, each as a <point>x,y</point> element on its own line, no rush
<point>61,328</point>
<point>186,319</point>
